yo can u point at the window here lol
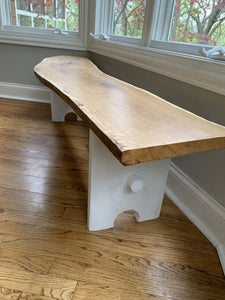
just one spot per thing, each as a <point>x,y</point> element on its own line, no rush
<point>192,26</point>
<point>198,22</point>
<point>58,23</point>
<point>61,14</point>
<point>164,36</point>
<point>176,25</point>
<point>129,18</point>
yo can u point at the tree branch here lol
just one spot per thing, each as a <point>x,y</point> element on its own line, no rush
<point>119,15</point>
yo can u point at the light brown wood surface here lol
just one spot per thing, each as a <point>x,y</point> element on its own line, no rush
<point>46,250</point>
<point>134,124</point>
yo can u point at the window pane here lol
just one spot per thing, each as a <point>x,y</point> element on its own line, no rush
<point>24,20</point>
<point>198,22</point>
<point>60,11</point>
<point>63,14</point>
<point>39,23</point>
<point>22,4</point>
<point>50,8</point>
<point>72,15</point>
<point>129,17</point>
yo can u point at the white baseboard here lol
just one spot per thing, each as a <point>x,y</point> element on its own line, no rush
<point>24,92</point>
<point>221,252</point>
<point>201,209</point>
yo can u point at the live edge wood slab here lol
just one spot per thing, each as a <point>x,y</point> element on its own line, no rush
<point>141,130</point>
<point>134,124</point>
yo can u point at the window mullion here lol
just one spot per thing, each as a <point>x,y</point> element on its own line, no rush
<point>147,28</point>
<point>162,11</point>
<point>65,12</point>
<point>103,16</point>
<point>110,17</point>
<point>44,13</point>
<point>5,13</point>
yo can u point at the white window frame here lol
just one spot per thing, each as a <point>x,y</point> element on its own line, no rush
<point>44,37</point>
<point>177,60</point>
<point>126,39</point>
<point>158,17</point>
<point>162,12</point>
<point>104,14</point>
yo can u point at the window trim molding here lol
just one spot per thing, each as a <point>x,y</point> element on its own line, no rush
<point>195,70</point>
<point>104,15</point>
<point>158,56</point>
<point>161,18</point>
<point>43,37</point>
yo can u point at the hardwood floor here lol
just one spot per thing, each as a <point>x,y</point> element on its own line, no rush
<point>46,251</point>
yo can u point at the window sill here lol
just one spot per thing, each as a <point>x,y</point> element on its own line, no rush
<point>50,40</point>
<point>196,70</point>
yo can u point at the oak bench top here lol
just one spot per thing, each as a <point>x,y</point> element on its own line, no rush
<point>134,124</point>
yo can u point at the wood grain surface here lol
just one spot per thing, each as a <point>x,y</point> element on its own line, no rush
<point>46,250</point>
<point>134,124</point>
<point>9,294</point>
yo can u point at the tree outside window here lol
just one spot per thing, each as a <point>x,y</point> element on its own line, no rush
<point>129,17</point>
<point>199,22</point>
<point>63,14</point>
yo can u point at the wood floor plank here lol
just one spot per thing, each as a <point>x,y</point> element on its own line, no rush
<point>47,233</point>
<point>25,111</point>
<point>86,290</point>
<point>33,283</point>
<point>25,261</point>
<point>19,126</point>
<point>42,185</point>
<point>53,230</point>
<point>128,277</point>
<point>68,172</point>
<point>9,294</point>
<point>92,254</point>
<point>52,211</point>
<point>44,241</point>
<point>71,213</point>
<point>47,163</point>
<point>8,196</point>
<point>58,137</point>
<point>25,150</point>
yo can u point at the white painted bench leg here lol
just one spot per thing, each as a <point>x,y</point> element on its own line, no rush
<point>60,109</point>
<point>110,194</point>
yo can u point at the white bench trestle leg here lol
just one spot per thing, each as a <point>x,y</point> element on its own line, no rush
<point>60,108</point>
<point>114,188</point>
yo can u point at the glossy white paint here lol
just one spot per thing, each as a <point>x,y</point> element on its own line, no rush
<point>23,35</point>
<point>18,91</point>
<point>201,209</point>
<point>135,183</point>
<point>221,253</point>
<point>109,187</point>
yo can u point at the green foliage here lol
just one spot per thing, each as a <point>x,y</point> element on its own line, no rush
<point>72,18</point>
<point>199,22</point>
<point>63,14</point>
<point>129,17</point>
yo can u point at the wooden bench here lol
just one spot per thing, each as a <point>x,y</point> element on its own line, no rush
<point>133,136</point>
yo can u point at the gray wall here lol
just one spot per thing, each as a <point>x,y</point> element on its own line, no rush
<point>206,169</point>
<point>17,62</point>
